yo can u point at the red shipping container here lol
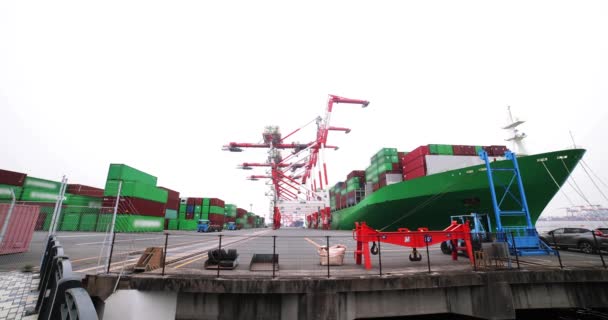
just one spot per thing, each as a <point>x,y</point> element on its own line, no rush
<point>416,173</point>
<point>375,187</point>
<point>417,153</point>
<point>240,212</point>
<point>12,178</point>
<point>414,164</point>
<point>460,150</point>
<point>190,201</point>
<point>498,151</point>
<point>83,190</point>
<point>216,202</point>
<point>356,173</point>
<point>172,199</point>
<point>20,227</point>
<point>130,205</point>
<point>230,219</point>
<point>217,219</point>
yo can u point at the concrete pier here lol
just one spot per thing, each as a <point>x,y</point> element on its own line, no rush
<point>486,295</point>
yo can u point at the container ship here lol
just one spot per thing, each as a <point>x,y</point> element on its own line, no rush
<point>425,187</point>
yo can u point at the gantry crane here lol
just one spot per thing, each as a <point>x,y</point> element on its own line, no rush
<point>293,179</point>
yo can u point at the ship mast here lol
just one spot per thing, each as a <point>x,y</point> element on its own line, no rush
<point>515,135</point>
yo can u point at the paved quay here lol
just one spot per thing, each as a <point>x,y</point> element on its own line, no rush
<point>17,295</point>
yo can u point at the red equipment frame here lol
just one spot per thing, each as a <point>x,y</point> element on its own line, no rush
<point>364,234</point>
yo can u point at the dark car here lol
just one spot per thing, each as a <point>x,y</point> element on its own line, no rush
<point>577,238</point>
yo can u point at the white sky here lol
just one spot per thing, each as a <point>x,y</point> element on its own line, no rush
<point>161,86</point>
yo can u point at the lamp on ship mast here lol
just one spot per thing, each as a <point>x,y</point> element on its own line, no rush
<point>516,136</point>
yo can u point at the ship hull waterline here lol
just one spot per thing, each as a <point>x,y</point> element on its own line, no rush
<point>430,201</point>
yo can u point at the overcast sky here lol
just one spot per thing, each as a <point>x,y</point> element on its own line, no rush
<point>161,86</point>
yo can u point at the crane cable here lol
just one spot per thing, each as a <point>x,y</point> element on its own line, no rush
<point>598,178</point>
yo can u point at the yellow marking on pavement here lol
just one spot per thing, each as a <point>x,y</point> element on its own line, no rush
<point>189,262</point>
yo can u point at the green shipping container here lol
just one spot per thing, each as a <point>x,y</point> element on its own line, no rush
<point>88,221</point>
<point>444,149</point>
<point>478,149</point>
<point>216,210</point>
<point>126,173</point>
<point>78,200</point>
<point>40,195</point>
<point>385,167</point>
<point>173,224</point>
<point>188,225</point>
<point>182,208</point>
<point>206,209</point>
<point>69,222</point>
<point>137,190</point>
<point>5,192</point>
<point>170,214</point>
<point>206,202</point>
<point>198,209</point>
<point>130,223</point>
<point>41,184</point>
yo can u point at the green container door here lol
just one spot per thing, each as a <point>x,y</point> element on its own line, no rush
<point>206,202</point>
<point>69,222</point>
<point>126,173</point>
<point>173,224</point>
<point>88,221</point>
<point>136,190</point>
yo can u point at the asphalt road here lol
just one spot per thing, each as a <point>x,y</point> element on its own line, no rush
<point>297,250</point>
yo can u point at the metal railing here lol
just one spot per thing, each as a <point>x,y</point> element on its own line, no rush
<point>292,255</point>
<point>61,295</point>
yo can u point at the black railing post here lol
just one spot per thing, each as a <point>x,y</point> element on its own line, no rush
<point>111,252</point>
<point>220,249</point>
<point>561,266</point>
<point>515,249</point>
<point>473,251</point>
<point>328,274</point>
<point>428,256</point>
<point>274,250</point>
<point>165,253</point>
<point>599,249</point>
<point>379,256</point>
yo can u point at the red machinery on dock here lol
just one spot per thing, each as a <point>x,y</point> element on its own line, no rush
<point>364,234</point>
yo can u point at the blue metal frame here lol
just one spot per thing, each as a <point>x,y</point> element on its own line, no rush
<point>522,240</point>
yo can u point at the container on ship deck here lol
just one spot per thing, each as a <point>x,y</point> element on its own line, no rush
<point>375,187</point>
<point>497,151</point>
<point>463,150</point>
<point>417,153</point>
<point>12,178</point>
<point>416,173</point>
<point>130,205</point>
<point>414,164</point>
<point>356,173</point>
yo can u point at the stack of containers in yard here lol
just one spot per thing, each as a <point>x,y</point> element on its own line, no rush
<point>230,213</point>
<point>414,164</point>
<point>215,211</point>
<point>83,204</point>
<point>241,218</point>
<point>172,207</point>
<point>193,212</point>
<point>309,221</point>
<point>10,180</point>
<point>250,220</point>
<point>142,204</point>
<point>43,193</point>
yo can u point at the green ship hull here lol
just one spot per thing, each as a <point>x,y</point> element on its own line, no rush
<point>430,201</point>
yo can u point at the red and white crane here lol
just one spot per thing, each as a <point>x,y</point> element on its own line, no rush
<point>294,183</point>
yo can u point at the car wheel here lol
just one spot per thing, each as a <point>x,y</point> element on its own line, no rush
<point>586,247</point>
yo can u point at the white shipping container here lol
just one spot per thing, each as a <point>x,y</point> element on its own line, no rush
<point>392,178</point>
<point>369,188</point>
<point>443,163</point>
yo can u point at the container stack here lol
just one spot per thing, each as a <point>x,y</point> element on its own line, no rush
<point>43,193</point>
<point>214,211</point>
<point>250,220</point>
<point>241,218</point>
<point>193,211</point>
<point>172,207</point>
<point>384,166</point>
<point>414,163</point>
<point>10,180</point>
<point>81,209</point>
<point>141,206</point>
<point>355,184</point>
<point>230,213</point>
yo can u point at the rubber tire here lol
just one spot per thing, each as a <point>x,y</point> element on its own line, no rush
<point>445,248</point>
<point>586,247</point>
<point>231,255</point>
